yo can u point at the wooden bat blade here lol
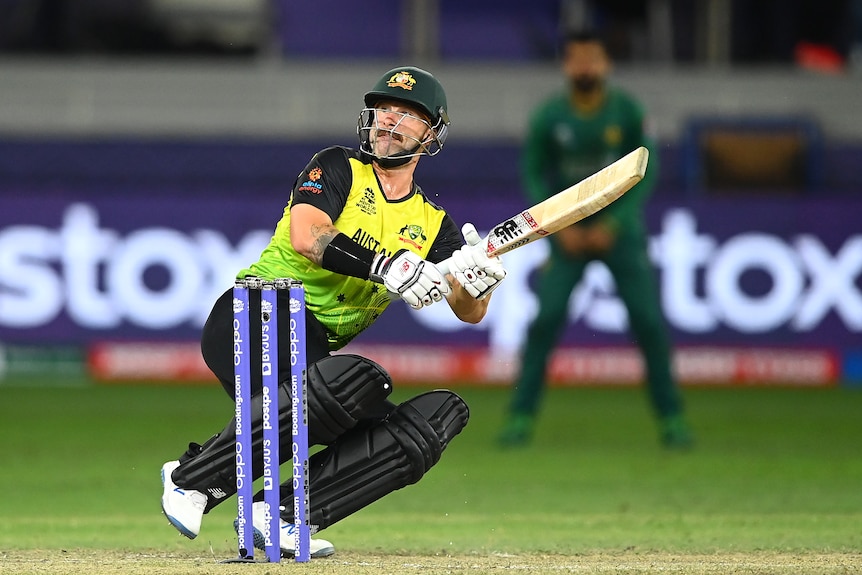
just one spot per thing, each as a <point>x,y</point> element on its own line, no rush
<point>570,205</point>
<point>566,207</point>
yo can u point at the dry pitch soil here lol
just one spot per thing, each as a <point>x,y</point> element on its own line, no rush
<point>116,562</point>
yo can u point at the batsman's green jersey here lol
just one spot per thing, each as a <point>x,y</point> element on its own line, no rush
<point>564,146</point>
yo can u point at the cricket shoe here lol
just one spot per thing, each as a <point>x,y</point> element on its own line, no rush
<point>675,434</point>
<point>319,547</point>
<point>184,508</point>
<point>518,431</point>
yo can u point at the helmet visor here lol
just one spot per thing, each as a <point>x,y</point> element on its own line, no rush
<point>386,134</point>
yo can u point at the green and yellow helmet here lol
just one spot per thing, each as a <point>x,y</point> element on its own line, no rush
<point>415,87</point>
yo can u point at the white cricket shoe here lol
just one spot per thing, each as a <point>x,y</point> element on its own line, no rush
<point>319,547</point>
<point>184,508</point>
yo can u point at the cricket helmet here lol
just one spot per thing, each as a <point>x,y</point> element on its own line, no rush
<point>415,87</point>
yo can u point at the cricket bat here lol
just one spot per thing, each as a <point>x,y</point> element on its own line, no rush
<point>567,207</point>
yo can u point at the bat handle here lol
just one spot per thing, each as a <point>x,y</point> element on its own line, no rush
<point>443,266</point>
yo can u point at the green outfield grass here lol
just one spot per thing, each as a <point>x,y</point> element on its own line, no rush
<point>775,471</point>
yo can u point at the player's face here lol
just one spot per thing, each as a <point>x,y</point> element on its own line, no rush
<point>397,128</point>
<point>585,64</point>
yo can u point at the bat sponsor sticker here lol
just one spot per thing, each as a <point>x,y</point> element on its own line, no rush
<point>510,231</point>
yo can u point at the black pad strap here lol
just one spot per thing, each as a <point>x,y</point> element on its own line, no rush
<point>367,463</point>
<point>344,389</point>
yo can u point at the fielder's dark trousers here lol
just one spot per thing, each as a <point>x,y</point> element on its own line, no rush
<point>637,287</point>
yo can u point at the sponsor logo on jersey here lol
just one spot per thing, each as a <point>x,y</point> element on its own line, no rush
<point>311,184</point>
<point>402,80</point>
<point>564,135</point>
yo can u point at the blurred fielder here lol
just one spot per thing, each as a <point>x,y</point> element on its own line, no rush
<point>570,136</point>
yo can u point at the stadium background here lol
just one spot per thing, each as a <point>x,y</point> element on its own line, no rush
<point>148,146</point>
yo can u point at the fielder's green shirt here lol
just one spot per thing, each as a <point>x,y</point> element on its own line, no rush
<point>341,182</point>
<point>563,146</point>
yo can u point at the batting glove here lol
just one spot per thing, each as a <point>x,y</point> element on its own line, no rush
<point>474,270</point>
<point>417,281</point>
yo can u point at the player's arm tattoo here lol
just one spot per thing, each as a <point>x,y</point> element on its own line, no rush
<point>322,234</point>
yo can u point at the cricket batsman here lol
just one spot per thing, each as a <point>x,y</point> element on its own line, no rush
<point>356,229</point>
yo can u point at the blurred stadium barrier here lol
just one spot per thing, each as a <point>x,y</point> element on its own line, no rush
<point>139,169</point>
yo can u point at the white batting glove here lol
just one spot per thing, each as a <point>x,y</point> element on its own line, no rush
<point>474,270</point>
<point>417,281</point>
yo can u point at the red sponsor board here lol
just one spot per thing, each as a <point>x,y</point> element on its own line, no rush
<point>611,365</point>
<point>148,361</point>
<point>803,367</point>
<point>112,361</point>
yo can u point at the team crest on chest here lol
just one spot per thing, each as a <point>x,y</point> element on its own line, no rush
<point>613,135</point>
<point>414,235</point>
